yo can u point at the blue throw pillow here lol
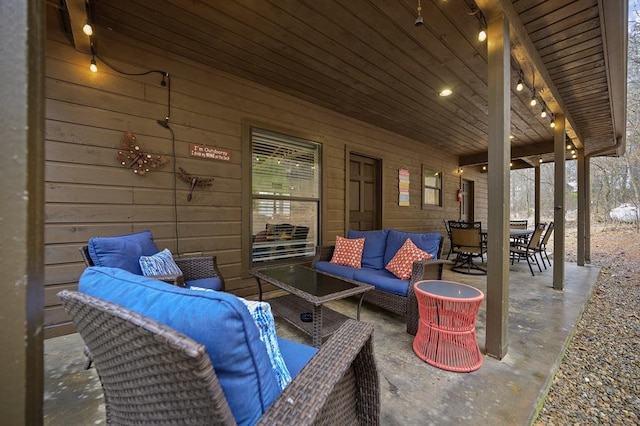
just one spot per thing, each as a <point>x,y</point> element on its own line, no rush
<point>374,246</point>
<point>122,251</point>
<point>261,314</point>
<point>218,320</point>
<point>161,263</point>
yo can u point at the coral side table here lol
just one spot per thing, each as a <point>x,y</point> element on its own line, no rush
<point>446,336</point>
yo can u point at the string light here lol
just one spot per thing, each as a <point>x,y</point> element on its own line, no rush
<point>93,66</point>
<point>533,101</point>
<point>482,34</point>
<point>87,29</point>
<point>520,84</point>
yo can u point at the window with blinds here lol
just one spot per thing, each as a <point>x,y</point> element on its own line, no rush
<point>431,187</point>
<point>285,182</point>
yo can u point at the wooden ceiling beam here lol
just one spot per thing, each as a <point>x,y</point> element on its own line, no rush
<point>523,49</point>
<point>78,17</point>
<point>541,148</point>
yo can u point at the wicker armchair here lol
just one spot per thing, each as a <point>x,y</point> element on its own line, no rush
<point>152,374</point>
<point>193,268</point>
<point>401,305</point>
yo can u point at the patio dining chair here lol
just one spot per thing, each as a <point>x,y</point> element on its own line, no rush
<point>528,251</point>
<point>518,224</point>
<point>542,248</point>
<point>468,243</point>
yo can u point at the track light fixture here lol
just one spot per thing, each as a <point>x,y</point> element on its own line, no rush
<point>553,122</point>
<point>543,113</point>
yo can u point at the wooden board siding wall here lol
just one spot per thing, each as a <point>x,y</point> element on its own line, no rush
<point>88,193</point>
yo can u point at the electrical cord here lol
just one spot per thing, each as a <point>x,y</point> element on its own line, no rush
<point>166,81</point>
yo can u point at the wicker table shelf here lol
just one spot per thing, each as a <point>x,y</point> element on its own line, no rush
<point>446,335</point>
<point>309,290</point>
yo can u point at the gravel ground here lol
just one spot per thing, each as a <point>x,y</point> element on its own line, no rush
<point>598,381</point>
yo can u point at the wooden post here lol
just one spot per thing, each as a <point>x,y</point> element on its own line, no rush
<point>583,207</point>
<point>499,184</point>
<point>559,183</point>
<point>22,25</point>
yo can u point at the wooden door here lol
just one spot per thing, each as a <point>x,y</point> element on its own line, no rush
<point>364,193</point>
<point>466,206</point>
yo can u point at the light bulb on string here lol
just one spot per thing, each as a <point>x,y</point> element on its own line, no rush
<point>87,29</point>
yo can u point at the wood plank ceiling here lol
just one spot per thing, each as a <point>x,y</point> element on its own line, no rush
<point>367,60</point>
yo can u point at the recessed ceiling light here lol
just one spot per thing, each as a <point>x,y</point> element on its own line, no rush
<point>445,92</point>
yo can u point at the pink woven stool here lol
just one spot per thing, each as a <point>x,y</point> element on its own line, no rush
<point>446,336</point>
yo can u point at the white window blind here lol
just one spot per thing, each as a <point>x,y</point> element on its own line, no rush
<point>285,190</point>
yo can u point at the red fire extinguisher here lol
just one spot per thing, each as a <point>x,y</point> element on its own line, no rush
<point>459,195</point>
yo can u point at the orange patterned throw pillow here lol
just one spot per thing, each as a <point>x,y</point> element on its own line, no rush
<point>402,263</point>
<point>348,252</point>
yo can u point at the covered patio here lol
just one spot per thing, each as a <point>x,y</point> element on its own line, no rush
<point>405,83</point>
<point>505,392</point>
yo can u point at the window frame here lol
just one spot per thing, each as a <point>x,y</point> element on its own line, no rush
<point>262,194</point>
<point>438,187</point>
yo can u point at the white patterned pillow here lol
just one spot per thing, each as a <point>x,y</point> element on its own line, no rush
<point>161,263</point>
<point>261,313</point>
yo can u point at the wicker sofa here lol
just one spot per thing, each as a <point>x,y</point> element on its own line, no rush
<point>159,363</point>
<point>391,293</point>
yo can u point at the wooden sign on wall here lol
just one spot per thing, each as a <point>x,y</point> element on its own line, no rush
<point>209,152</point>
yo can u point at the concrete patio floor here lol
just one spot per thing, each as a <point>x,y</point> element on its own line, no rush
<point>504,392</point>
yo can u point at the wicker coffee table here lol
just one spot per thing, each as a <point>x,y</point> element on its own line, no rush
<point>308,290</point>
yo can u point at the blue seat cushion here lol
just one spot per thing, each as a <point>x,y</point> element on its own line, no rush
<point>427,241</point>
<point>212,283</point>
<point>296,355</point>
<point>382,280</point>
<point>218,320</point>
<point>122,251</point>
<point>335,269</point>
<point>374,247</point>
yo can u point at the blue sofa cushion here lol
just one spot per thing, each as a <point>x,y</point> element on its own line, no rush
<point>427,241</point>
<point>335,269</point>
<point>122,251</point>
<point>382,280</point>
<point>296,355</point>
<point>218,320</point>
<point>212,283</point>
<point>374,247</point>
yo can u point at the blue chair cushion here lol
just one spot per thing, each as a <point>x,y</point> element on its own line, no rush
<point>383,280</point>
<point>218,320</point>
<point>335,269</point>
<point>122,251</point>
<point>374,247</point>
<point>296,355</point>
<point>427,241</point>
<point>212,283</point>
